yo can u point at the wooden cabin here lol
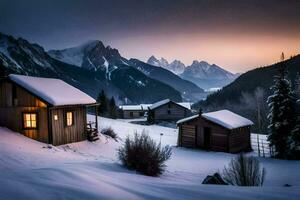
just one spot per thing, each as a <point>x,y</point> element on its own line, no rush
<point>45,109</point>
<point>216,131</point>
<point>167,110</point>
<point>133,111</point>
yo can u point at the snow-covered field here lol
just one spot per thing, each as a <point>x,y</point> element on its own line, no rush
<point>84,170</point>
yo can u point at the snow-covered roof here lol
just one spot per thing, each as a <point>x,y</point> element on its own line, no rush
<point>131,107</point>
<point>135,107</point>
<point>53,91</point>
<point>186,105</point>
<point>162,102</point>
<point>187,119</point>
<point>224,118</point>
<point>227,119</point>
<point>159,103</point>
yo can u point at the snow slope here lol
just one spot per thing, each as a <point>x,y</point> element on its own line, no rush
<point>84,170</point>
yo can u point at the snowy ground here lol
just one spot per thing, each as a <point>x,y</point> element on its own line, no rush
<point>84,170</point>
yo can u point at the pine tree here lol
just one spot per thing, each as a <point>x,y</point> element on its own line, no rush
<point>282,114</point>
<point>112,108</point>
<point>294,139</point>
<point>102,99</point>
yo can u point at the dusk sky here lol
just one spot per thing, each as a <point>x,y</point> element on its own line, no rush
<point>237,35</point>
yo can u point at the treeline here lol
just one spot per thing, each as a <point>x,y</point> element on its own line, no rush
<point>248,94</point>
<point>107,107</point>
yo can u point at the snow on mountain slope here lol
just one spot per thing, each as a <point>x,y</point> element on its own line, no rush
<point>84,170</point>
<point>177,67</point>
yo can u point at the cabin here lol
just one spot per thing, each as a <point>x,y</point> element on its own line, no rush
<point>133,111</point>
<point>45,109</point>
<point>216,131</point>
<point>167,110</point>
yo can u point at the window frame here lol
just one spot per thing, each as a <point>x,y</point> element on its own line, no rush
<point>66,118</point>
<point>36,121</point>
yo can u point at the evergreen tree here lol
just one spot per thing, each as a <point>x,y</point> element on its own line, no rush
<point>102,99</point>
<point>112,108</point>
<point>282,114</point>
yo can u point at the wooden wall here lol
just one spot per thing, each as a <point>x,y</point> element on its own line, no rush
<point>136,114</point>
<point>240,140</point>
<point>63,134</point>
<point>218,139</point>
<point>11,111</point>
<point>191,134</point>
<point>176,112</point>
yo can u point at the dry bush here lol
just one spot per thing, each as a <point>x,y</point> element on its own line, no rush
<point>244,171</point>
<point>144,155</point>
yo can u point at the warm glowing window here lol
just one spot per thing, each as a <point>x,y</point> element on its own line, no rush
<point>69,118</point>
<point>55,117</point>
<point>30,120</point>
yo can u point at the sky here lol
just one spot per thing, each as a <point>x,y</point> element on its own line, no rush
<point>236,35</point>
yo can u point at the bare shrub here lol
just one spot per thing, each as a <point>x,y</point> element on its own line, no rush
<point>244,171</point>
<point>109,132</point>
<point>144,155</point>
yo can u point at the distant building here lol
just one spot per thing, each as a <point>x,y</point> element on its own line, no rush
<point>133,111</point>
<point>217,131</point>
<point>45,109</point>
<point>167,110</point>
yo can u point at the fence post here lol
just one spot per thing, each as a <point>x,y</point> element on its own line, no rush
<point>258,147</point>
<point>263,148</point>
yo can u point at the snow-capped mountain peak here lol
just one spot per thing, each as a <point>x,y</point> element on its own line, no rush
<point>177,67</point>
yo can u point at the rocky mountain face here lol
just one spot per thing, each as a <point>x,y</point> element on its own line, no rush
<point>177,67</point>
<point>89,67</point>
<point>188,90</point>
<point>201,73</point>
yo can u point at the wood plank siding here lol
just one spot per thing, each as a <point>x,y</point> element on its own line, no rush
<point>13,102</point>
<point>192,134</point>
<point>63,134</point>
<point>170,112</point>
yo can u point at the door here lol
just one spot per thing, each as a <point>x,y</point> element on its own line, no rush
<point>207,136</point>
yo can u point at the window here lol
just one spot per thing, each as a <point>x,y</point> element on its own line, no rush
<point>131,114</point>
<point>30,120</point>
<point>169,112</point>
<point>69,118</point>
<point>55,117</point>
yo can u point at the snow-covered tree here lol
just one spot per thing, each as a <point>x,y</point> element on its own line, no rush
<point>282,114</point>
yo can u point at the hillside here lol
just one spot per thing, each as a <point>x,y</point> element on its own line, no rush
<point>85,170</point>
<point>239,96</point>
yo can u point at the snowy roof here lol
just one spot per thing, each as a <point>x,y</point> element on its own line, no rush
<point>227,119</point>
<point>187,119</point>
<point>131,107</point>
<point>135,107</point>
<point>224,118</point>
<point>160,103</point>
<point>53,91</point>
<point>186,105</point>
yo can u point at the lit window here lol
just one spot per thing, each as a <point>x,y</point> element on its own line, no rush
<point>55,117</point>
<point>69,118</point>
<point>30,120</point>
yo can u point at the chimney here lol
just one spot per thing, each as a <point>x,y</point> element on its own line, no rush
<point>200,112</point>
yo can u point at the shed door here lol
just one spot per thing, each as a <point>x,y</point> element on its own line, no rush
<point>207,135</point>
<point>188,136</point>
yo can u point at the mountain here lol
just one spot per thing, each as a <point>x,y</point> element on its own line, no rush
<point>177,67</point>
<point>89,67</point>
<point>207,76</point>
<point>201,73</point>
<point>188,90</point>
<point>242,94</point>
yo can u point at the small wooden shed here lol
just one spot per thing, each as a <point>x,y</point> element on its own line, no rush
<point>217,131</point>
<point>45,109</point>
<point>133,111</point>
<point>167,110</point>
